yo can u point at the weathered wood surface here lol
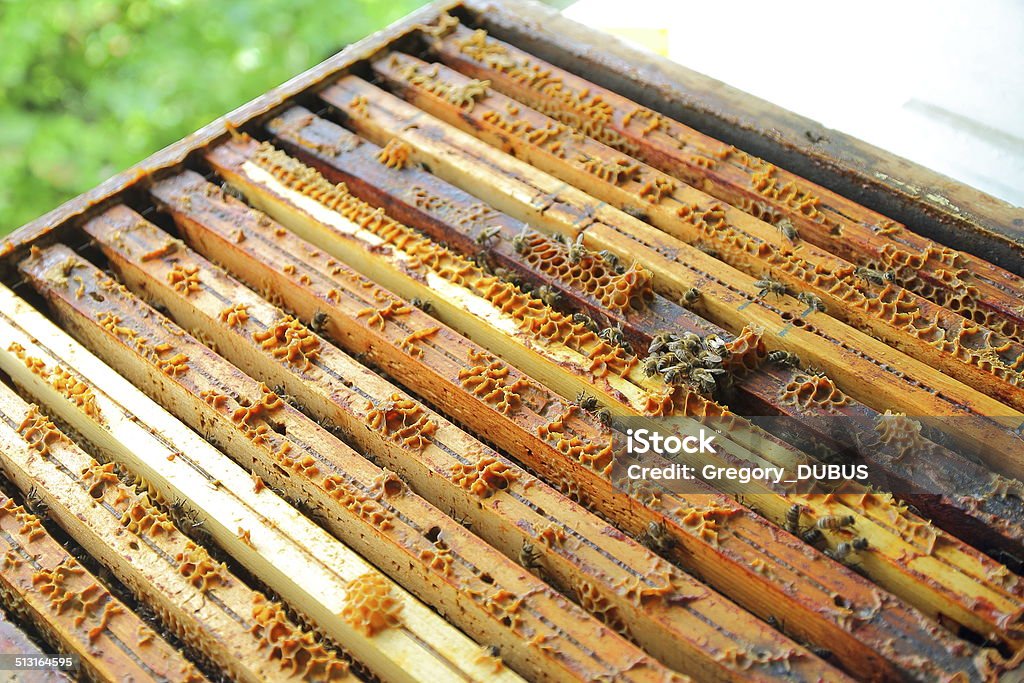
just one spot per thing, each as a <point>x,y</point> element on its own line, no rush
<point>932,204</point>
<point>864,367</point>
<point>47,586</point>
<point>264,254</point>
<point>961,496</point>
<point>670,614</point>
<point>483,592</point>
<point>988,362</point>
<point>968,284</point>
<point>324,578</point>
<point>198,598</point>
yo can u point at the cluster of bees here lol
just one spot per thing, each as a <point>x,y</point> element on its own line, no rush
<point>688,358</point>
<point>814,535</point>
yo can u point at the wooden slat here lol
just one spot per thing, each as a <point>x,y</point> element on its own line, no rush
<point>670,614</point>
<point>45,584</point>
<point>989,363</point>
<point>758,566</point>
<point>478,588</point>
<point>863,367</point>
<point>979,289</point>
<point>197,598</point>
<point>908,556</point>
<point>317,575</point>
<point>939,207</point>
<point>961,496</point>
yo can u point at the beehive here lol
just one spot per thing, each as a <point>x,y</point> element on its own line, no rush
<point>338,387</point>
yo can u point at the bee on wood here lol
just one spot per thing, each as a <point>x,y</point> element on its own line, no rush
<point>770,286</point>
<point>835,521</point>
<point>784,358</point>
<point>705,378</point>
<point>529,556</point>
<point>549,295</point>
<point>604,416</point>
<point>813,302</point>
<point>841,552</point>
<point>586,321</point>
<point>812,536</point>
<point>793,519</point>
<point>660,341</point>
<point>613,335</point>
<point>657,537</point>
<point>879,277</point>
<point>608,257</point>
<point>691,296</point>
<point>586,402</point>
<point>650,366</point>
<point>232,191</point>
<point>860,544</point>
<point>35,504</point>
<point>788,230</point>
<point>521,241</point>
<point>482,261</point>
<point>676,374</point>
<point>422,304</point>
<point>577,252</point>
<point>318,322</point>
<point>488,234</point>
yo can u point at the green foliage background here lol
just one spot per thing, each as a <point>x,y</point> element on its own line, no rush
<point>89,87</point>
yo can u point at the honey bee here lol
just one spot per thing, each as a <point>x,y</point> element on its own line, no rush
<point>784,358</point>
<point>691,296</point>
<point>608,257</point>
<point>487,234</point>
<point>282,393</point>
<point>520,242</point>
<point>812,536</point>
<point>422,304</point>
<point>860,543</point>
<point>585,320</point>
<point>660,341</point>
<point>841,552</point>
<point>604,416</point>
<point>650,366</point>
<point>529,556</point>
<point>35,504</point>
<point>793,519</point>
<point>879,277</point>
<point>586,402</point>
<point>318,322</point>
<point>657,537</point>
<point>813,302</point>
<point>704,378</point>
<point>835,521</point>
<point>577,252</point>
<point>769,286</point>
<point>614,336</point>
<point>788,230</point>
<point>549,295</point>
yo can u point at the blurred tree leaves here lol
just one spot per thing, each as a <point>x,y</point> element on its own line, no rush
<point>89,87</point>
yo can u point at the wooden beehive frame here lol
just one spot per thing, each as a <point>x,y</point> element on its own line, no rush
<point>782,140</point>
<point>264,254</point>
<point>209,608</point>
<point>166,455</point>
<point>451,215</point>
<point>521,515</point>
